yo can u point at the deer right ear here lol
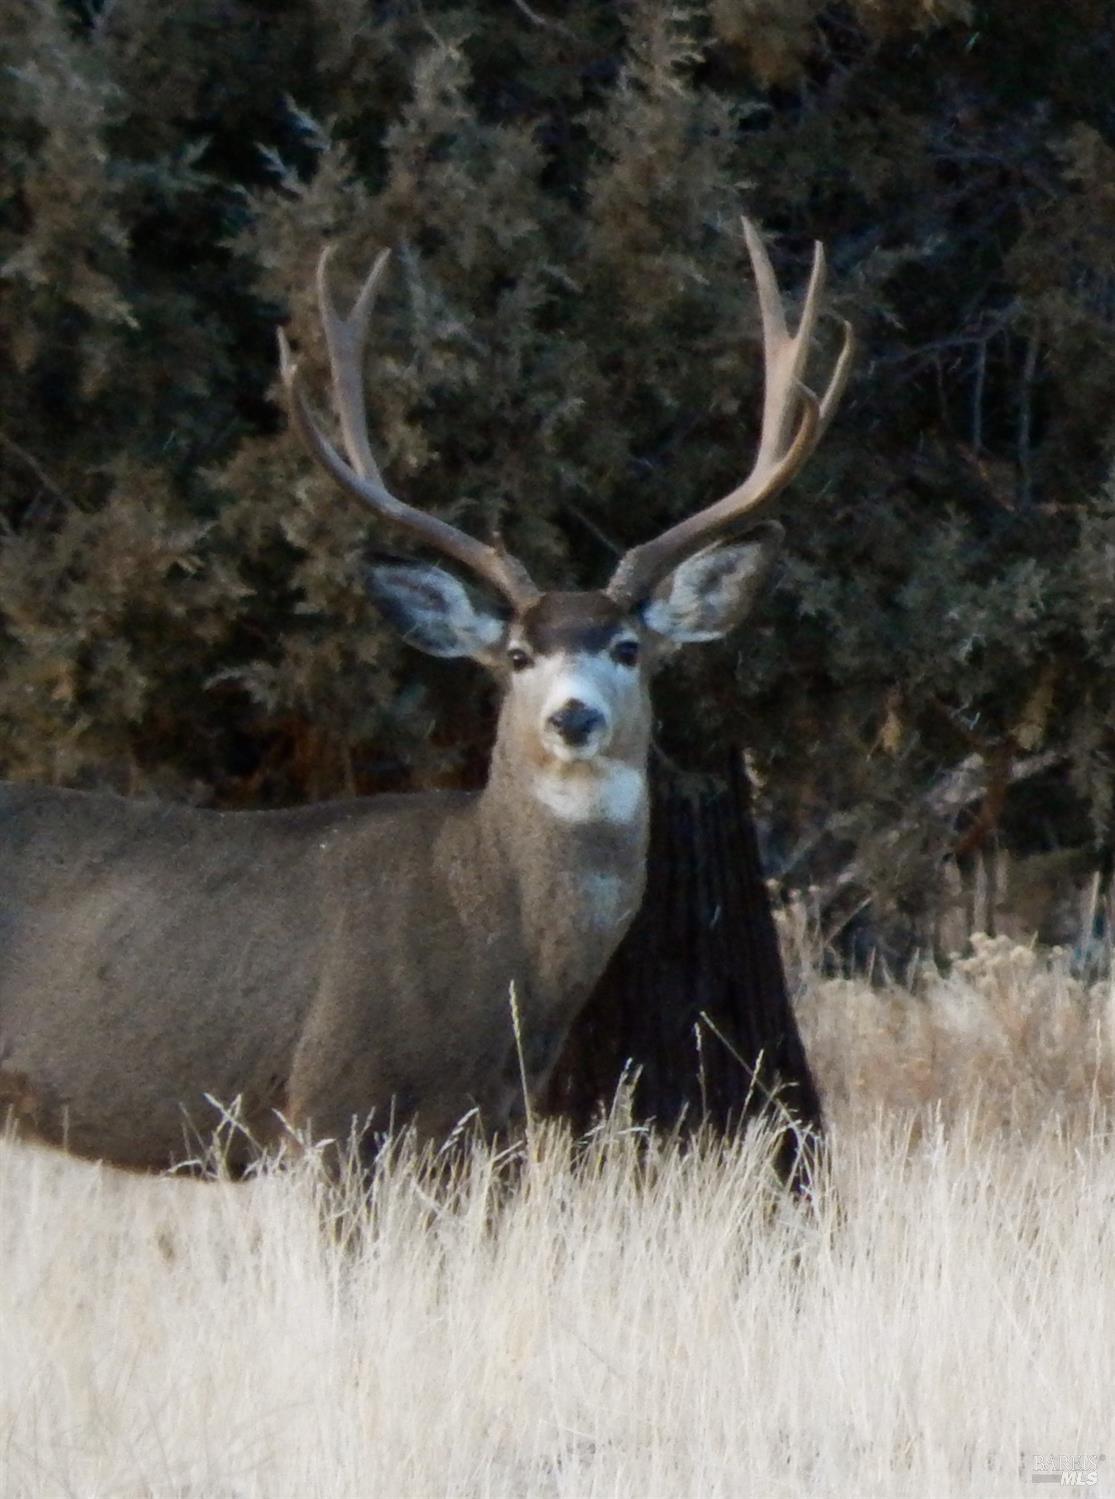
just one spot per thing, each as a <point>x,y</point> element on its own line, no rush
<point>433,611</point>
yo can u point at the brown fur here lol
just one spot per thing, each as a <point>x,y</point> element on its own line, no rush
<point>349,965</point>
<point>348,962</point>
<point>572,621</point>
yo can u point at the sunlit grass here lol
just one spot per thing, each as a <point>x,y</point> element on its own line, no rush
<point>633,1319</point>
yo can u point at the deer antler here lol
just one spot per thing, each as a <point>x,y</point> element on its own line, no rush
<point>346,339</point>
<point>794,420</point>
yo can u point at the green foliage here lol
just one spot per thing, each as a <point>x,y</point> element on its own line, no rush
<point>566,348</point>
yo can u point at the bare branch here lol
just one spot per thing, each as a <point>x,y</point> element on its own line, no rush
<point>31,463</point>
<point>543,21</point>
<point>1025,415</point>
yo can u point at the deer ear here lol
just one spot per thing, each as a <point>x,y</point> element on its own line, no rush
<point>709,594</point>
<point>433,611</point>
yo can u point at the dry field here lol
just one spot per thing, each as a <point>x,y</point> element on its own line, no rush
<point>650,1323</point>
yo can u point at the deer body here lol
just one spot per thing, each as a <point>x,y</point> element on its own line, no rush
<point>300,961</point>
<point>351,965</point>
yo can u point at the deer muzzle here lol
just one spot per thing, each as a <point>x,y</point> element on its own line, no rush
<point>577,724</point>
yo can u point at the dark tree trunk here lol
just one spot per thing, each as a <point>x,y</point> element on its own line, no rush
<point>694,1003</point>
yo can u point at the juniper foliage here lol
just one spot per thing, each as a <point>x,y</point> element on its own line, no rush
<point>567,348</point>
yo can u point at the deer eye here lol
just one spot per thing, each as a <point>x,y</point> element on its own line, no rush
<point>626,652</point>
<point>519,659</point>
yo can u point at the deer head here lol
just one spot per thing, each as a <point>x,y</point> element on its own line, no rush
<point>576,666</point>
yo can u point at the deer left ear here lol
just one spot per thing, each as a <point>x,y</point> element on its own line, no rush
<point>709,594</point>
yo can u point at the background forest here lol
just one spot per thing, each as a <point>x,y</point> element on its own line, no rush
<point>567,347</point>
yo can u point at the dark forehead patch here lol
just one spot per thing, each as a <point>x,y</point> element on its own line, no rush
<point>572,621</point>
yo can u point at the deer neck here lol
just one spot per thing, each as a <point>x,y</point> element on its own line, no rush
<point>573,841</point>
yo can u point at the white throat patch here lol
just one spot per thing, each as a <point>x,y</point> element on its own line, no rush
<point>592,791</point>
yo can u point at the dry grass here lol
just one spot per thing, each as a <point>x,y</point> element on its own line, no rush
<point>651,1323</point>
<point>1008,1034</point>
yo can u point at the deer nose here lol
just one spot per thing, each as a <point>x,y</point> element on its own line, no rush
<point>576,721</point>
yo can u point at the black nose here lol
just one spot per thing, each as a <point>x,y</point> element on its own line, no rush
<point>575,721</point>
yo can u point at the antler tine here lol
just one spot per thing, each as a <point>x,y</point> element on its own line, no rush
<point>784,355</point>
<point>839,379</point>
<point>346,339</point>
<point>793,422</point>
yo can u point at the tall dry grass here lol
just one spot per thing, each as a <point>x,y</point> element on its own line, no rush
<point>643,1321</point>
<point>1008,1034</point>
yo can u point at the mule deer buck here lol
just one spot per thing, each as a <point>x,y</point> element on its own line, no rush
<point>349,965</point>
